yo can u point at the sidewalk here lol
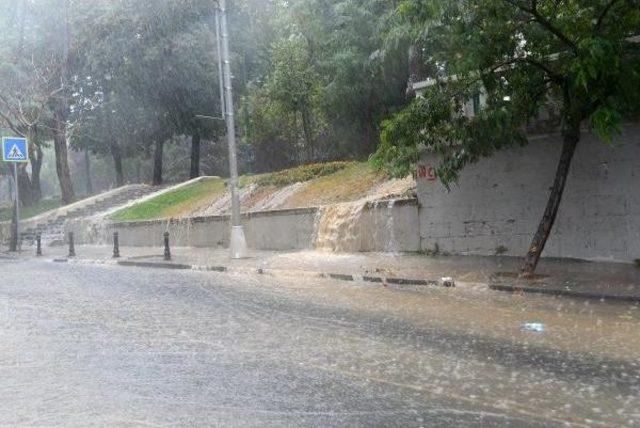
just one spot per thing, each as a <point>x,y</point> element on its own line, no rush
<point>612,281</point>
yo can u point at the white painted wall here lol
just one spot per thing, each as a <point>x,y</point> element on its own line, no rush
<point>500,200</point>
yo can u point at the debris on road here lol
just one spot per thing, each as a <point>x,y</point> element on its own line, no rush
<point>447,281</point>
<point>535,327</point>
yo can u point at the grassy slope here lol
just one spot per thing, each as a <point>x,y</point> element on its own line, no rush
<point>327,183</point>
<point>28,212</point>
<point>348,184</point>
<point>172,204</point>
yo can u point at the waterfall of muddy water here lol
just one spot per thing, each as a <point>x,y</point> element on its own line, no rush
<point>336,227</point>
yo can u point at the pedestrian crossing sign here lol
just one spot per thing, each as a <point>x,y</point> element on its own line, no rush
<point>15,149</point>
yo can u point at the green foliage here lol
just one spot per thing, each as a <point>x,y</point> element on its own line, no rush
<point>301,173</point>
<point>312,78</point>
<point>573,59</point>
<point>150,75</point>
<point>328,85</point>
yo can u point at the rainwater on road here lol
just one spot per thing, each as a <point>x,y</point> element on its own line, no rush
<point>109,346</point>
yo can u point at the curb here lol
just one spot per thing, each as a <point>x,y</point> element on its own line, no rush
<point>510,288</point>
<point>564,293</point>
<point>174,266</point>
<point>261,271</point>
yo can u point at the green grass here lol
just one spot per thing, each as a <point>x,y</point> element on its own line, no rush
<point>32,211</point>
<point>349,176</point>
<point>174,203</point>
<point>347,184</point>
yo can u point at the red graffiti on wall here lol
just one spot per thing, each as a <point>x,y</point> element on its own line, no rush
<point>427,172</point>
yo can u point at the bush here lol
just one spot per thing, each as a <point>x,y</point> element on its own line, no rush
<point>302,173</point>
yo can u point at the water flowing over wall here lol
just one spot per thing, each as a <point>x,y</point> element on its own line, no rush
<point>385,226</point>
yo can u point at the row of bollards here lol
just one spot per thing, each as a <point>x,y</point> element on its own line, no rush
<point>116,246</point>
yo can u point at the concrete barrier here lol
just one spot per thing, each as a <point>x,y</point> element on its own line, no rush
<point>382,226</point>
<point>497,204</point>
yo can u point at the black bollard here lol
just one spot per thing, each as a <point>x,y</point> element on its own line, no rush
<point>116,246</point>
<point>72,247</point>
<point>167,250</point>
<point>38,245</point>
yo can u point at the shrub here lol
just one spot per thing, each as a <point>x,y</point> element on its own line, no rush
<point>302,173</point>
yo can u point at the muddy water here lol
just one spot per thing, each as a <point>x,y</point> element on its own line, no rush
<point>222,205</point>
<point>278,198</point>
<point>338,226</point>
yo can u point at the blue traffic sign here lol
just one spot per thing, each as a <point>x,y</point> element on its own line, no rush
<point>15,149</point>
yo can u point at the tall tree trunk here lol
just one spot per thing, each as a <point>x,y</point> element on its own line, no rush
<point>26,197</point>
<point>36,167</point>
<point>60,115</point>
<point>87,173</point>
<point>306,129</point>
<point>116,154</point>
<point>35,158</point>
<point>157,163</point>
<point>571,137</point>
<point>370,134</point>
<point>416,67</point>
<point>195,155</point>
<point>62,157</point>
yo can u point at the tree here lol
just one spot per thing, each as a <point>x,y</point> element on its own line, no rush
<point>25,90</point>
<point>328,84</point>
<point>577,58</point>
<point>364,80</point>
<point>155,72</point>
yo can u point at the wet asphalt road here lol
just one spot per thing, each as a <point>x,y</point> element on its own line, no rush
<point>106,346</point>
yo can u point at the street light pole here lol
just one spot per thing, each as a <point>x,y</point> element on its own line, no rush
<point>238,244</point>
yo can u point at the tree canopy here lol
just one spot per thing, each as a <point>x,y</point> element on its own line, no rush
<point>118,79</point>
<point>578,60</point>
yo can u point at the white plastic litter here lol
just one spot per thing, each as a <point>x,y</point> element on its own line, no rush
<point>535,327</point>
<point>447,281</point>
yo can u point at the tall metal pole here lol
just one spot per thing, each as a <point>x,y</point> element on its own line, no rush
<point>238,244</point>
<point>17,205</point>
<point>220,78</point>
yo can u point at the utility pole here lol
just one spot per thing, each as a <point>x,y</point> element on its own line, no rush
<point>238,244</point>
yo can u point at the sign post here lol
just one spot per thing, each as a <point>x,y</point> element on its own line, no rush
<point>15,150</point>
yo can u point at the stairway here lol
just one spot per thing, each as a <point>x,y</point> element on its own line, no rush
<point>52,230</point>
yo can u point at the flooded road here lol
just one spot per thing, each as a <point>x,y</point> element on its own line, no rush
<point>86,345</point>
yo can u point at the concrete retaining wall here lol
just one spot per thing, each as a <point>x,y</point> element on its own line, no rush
<point>380,227</point>
<point>5,233</point>
<point>499,201</point>
<point>388,227</point>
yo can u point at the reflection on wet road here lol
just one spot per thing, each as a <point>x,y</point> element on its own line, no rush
<point>112,346</point>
